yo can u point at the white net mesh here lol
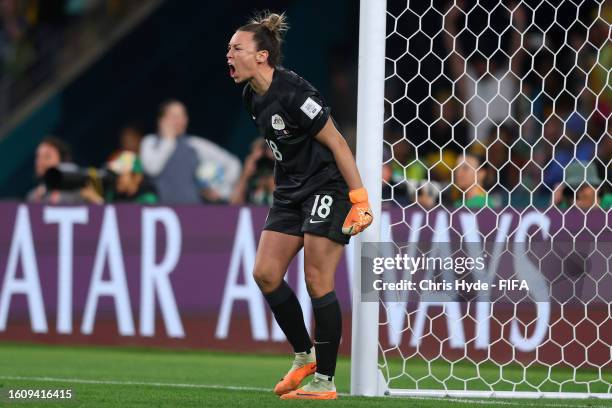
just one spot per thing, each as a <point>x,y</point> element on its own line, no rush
<point>501,110</point>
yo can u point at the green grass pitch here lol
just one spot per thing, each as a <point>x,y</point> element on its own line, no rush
<point>133,377</point>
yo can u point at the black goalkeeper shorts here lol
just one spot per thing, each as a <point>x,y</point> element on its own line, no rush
<point>321,213</point>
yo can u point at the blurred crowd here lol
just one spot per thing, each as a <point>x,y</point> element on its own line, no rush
<point>525,124</point>
<point>169,166</point>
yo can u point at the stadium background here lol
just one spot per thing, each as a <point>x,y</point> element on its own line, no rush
<point>174,52</point>
<point>92,67</point>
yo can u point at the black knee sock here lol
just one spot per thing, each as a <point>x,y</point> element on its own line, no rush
<point>328,330</point>
<point>288,314</point>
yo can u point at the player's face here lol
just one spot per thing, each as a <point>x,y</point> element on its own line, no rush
<point>46,157</point>
<point>242,56</point>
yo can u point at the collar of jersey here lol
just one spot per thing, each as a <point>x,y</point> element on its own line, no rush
<point>270,90</point>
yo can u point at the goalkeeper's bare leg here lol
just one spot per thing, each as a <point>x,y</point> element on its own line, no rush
<point>321,258</point>
<point>274,253</point>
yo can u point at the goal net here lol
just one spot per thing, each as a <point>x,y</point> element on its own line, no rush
<point>496,148</point>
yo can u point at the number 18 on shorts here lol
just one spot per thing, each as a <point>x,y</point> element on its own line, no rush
<point>320,213</point>
<point>324,214</point>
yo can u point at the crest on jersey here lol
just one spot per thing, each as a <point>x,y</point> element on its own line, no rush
<point>277,122</point>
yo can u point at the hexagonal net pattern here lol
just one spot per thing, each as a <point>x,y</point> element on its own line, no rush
<point>497,130</point>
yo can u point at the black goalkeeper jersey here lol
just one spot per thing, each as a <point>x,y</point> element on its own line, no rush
<point>289,116</point>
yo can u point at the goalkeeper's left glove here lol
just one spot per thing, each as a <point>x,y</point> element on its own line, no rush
<point>360,216</point>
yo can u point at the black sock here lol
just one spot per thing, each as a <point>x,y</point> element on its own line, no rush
<point>288,314</point>
<point>328,330</point>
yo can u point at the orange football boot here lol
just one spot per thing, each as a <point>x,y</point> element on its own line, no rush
<point>303,366</point>
<point>317,389</point>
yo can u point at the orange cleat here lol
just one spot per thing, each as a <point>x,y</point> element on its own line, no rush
<point>318,389</point>
<point>313,395</point>
<point>294,378</point>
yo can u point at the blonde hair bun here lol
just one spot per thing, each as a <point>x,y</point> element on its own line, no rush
<point>276,23</point>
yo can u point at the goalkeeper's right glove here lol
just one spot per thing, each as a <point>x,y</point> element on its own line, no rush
<point>360,216</point>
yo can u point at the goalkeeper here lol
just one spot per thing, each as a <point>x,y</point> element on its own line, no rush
<point>319,201</point>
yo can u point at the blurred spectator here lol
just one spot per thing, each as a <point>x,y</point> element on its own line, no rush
<point>405,165</point>
<point>186,169</point>
<point>499,156</point>
<point>428,194</point>
<point>580,188</point>
<point>448,137</point>
<point>130,138</point>
<point>50,153</point>
<point>256,184</point>
<point>485,84</point>
<point>402,172</point>
<point>469,177</point>
<point>131,185</point>
<point>509,156</point>
<point>604,152</point>
<point>574,144</point>
<point>599,77</point>
<point>408,184</point>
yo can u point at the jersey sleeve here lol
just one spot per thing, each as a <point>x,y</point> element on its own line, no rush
<point>309,111</point>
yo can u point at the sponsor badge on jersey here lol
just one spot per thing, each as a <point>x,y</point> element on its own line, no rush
<point>311,108</point>
<point>277,122</point>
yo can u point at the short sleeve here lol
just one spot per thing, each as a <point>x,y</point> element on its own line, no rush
<point>309,111</point>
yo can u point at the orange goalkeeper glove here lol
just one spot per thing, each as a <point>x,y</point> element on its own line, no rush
<point>360,216</point>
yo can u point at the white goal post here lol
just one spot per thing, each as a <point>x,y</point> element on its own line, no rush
<point>370,116</point>
<point>513,96</point>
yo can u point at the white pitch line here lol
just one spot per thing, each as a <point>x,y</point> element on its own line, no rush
<point>261,389</point>
<point>146,383</point>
